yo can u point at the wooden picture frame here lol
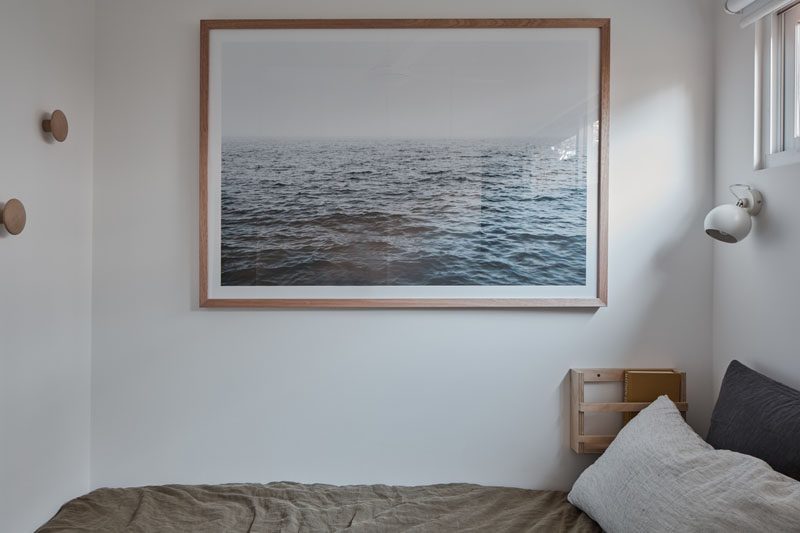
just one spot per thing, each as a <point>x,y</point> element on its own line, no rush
<point>212,292</point>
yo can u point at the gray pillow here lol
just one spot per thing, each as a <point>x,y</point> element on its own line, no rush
<point>758,416</point>
<point>659,475</point>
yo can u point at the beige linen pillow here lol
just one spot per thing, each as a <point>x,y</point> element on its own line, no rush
<point>659,475</point>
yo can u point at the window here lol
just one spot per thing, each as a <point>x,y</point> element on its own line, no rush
<point>778,88</point>
<point>791,31</point>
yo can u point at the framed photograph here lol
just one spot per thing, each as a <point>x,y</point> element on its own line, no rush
<point>404,163</point>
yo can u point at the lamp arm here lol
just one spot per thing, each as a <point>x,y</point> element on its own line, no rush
<point>736,186</point>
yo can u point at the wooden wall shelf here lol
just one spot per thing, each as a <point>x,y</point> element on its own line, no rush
<point>579,377</point>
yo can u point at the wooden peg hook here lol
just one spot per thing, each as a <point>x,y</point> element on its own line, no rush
<point>13,216</point>
<point>57,125</point>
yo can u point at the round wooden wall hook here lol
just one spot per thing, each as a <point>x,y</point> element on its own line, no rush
<point>13,216</point>
<point>57,125</point>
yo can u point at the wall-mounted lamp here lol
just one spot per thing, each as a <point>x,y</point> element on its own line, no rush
<point>731,223</point>
<point>12,215</point>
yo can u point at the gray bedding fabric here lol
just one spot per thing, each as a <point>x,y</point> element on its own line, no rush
<point>288,506</point>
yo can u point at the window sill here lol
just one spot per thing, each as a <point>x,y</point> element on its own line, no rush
<point>781,159</point>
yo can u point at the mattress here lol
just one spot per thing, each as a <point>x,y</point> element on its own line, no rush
<point>295,507</point>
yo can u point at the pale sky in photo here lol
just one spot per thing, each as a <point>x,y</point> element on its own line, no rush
<point>408,89</point>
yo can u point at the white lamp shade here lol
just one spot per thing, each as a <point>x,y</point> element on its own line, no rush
<point>728,223</point>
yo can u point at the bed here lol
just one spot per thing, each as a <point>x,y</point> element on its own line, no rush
<point>295,507</point>
<point>657,475</point>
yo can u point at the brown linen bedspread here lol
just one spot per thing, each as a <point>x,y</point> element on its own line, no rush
<point>296,507</point>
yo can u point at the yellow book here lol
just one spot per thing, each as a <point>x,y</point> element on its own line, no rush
<point>648,385</point>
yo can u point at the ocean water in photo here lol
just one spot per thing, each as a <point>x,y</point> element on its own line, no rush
<point>402,212</point>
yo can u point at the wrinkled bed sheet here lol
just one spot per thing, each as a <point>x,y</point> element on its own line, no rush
<point>294,507</point>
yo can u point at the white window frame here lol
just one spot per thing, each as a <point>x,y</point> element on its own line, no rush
<point>775,121</point>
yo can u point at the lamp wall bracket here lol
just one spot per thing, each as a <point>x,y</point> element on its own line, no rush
<point>748,198</point>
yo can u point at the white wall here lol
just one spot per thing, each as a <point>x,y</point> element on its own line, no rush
<point>756,286</point>
<point>46,62</point>
<point>182,395</point>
